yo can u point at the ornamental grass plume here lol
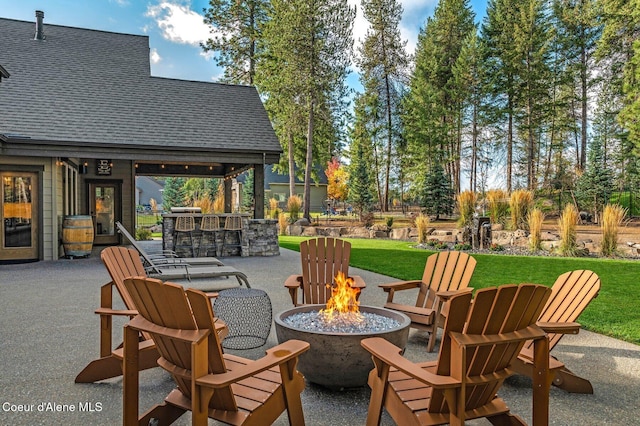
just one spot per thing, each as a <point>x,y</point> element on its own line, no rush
<point>282,223</point>
<point>520,202</point>
<point>466,207</point>
<point>422,224</point>
<point>568,234</point>
<point>612,217</point>
<point>273,208</point>
<point>535,220</point>
<point>498,205</point>
<point>294,204</point>
<point>205,204</point>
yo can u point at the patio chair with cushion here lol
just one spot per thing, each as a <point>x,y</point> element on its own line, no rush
<point>571,293</point>
<point>167,257</point>
<point>480,341</point>
<point>321,259</point>
<point>445,274</point>
<point>225,387</point>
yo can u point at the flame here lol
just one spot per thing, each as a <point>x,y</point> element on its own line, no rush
<point>343,300</point>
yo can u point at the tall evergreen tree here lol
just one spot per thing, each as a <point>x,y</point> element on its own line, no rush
<point>236,25</point>
<point>173,194</point>
<point>383,61</point>
<point>248,202</point>
<point>437,196</point>
<point>310,42</point>
<point>594,187</point>
<point>433,102</point>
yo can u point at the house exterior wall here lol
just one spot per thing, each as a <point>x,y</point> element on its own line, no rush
<point>281,193</point>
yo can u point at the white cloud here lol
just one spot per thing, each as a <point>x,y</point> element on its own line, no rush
<point>154,56</point>
<point>120,2</point>
<point>179,23</point>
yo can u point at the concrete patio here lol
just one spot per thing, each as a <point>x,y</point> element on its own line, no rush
<point>48,333</point>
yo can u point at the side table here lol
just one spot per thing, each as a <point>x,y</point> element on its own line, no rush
<point>247,312</point>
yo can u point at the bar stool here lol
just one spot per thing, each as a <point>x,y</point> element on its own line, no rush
<point>185,225</point>
<point>209,229</point>
<point>232,225</point>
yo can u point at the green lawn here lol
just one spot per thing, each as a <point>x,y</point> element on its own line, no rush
<point>615,312</point>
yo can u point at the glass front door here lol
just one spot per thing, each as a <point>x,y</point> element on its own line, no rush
<point>19,214</point>
<point>105,209</point>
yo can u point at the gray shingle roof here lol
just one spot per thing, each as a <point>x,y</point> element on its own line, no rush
<point>86,87</point>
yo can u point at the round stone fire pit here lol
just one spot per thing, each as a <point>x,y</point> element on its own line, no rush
<point>336,359</point>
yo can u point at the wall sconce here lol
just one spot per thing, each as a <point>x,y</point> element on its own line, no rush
<point>83,169</point>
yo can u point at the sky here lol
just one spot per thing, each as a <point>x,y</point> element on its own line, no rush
<point>176,28</point>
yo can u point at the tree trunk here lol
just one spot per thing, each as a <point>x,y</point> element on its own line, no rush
<point>309,163</point>
<point>292,166</point>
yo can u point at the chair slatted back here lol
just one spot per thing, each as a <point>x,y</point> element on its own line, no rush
<point>444,271</point>
<point>571,294</point>
<point>122,263</point>
<point>500,310</point>
<point>168,305</point>
<point>322,259</point>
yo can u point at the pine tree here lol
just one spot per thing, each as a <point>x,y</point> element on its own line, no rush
<point>360,194</point>
<point>383,62</point>
<point>173,194</point>
<point>432,108</point>
<point>248,202</point>
<point>594,187</point>
<point>309,45</point>
<point>236,25</point>
<point>437,196</point>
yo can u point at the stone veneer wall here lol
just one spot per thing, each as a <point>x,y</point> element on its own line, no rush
<point>259,238</point>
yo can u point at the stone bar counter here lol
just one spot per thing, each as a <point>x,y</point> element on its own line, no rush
<point>259,237</point>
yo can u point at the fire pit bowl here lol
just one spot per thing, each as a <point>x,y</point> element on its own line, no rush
<point>336,360</point>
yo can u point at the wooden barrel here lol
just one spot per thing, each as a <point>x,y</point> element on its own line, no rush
<point>77,236</point>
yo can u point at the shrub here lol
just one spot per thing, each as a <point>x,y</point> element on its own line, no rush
<point>294,204</point>
<point>462,246</point>
<point>282,223</point>
<point>612,216</point>
<point>367,219</point>
<point>218,203</point>
<point>466,207</point>
<point>496,247</point>
<point>422,224</point>
<point>568,234</point>
<point>520,203</point>
<point>205,204</point>
<point>535,219</point>
<point>143,234</point>
<point>498,205</point>
<point>388,221</point>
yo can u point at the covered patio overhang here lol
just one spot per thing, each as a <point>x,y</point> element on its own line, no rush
<point>156,160</point>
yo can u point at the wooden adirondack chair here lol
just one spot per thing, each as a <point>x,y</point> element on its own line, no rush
<point>473,362</point>
<point>227,388</point>
<point>571,293</point>
<point>121,263</point>
<point>445,274</point>
<point>321,259</point>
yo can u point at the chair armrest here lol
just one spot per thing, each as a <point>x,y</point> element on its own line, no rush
<point>559,327</point>
<point>275,356</point>
<point>400,285</point>
<point>114,312</point>
<point>390,354</point>
<point>475,340</point>
<point>446,295</point>
<point>358,282</point>
<point>293,283</point>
